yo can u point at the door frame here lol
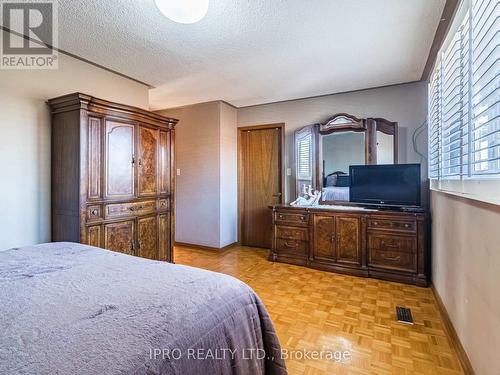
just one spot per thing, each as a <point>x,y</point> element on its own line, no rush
<point>241,185</point>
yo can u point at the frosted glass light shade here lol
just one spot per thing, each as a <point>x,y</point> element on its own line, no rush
<point>183,11</point>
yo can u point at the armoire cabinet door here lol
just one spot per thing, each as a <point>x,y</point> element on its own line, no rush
<point>348,241</point>
<point>164,162</point>
<point>164,237</point>
<point>147,237</point>
<point>94,157</point>
<point>324,238</point>
<point>147,161</point>
<point>119,165</point>
<point>94,236</point>
<point>120,236</point>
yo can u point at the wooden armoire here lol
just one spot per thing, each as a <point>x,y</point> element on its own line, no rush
<point>112,176</point>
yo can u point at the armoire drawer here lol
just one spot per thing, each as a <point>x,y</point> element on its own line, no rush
<point>397,260</point>
<point>288,218</point>
<point>291,233</point>
<point>291,247</point>
<point>391,242</point>
<point>130,209</point>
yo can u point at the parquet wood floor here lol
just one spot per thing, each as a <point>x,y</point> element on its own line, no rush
<point>321,311</point>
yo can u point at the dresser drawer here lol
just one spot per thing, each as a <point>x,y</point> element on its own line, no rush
<point>291,247</point>
<point>390,242</point>
<point>393,224</point>
<point>291,233</point>
<point>397,260</point>
<point>130,209</point>
<point>290,218</point>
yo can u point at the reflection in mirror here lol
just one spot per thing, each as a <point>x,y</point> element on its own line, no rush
<point>385,148</point>
<point>339,151</point>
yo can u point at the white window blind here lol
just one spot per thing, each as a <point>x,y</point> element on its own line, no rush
<point>485,87</point>
<point>464,110</point>
<point>304,156</point>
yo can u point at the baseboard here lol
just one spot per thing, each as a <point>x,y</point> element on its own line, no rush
<point>452,334</point>
<point>202,247</point>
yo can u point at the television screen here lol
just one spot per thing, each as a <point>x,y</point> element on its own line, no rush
<point>394,184</point>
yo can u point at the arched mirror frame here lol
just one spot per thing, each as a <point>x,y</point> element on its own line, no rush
<point>341,122</point>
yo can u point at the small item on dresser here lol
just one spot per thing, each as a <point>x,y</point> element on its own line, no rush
<point>307,198</point>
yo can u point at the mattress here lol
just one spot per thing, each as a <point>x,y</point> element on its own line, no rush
<point>67,308</point>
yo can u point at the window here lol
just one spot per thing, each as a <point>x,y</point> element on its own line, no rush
<point>304,153</point>
<point>464,97</point>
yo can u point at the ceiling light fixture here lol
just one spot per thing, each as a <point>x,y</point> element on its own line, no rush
<point>183,11</point>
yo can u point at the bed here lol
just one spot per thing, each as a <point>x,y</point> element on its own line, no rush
<point>67,308</point>
<point>336,193</point>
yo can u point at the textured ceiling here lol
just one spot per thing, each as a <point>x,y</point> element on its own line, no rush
<point>254,51</point>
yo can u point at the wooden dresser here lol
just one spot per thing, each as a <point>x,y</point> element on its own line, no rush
<point>112,176</point>
<point>389,245</point>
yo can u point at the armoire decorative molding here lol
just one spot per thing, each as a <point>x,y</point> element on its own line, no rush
<point>112,176</point>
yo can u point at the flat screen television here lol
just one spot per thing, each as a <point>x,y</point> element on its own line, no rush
<point>391,185</point>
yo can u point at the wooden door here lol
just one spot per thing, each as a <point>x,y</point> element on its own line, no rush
<point>120,236</point>
<point>260,182</point>
<point>348,243</point>
<point>147,150</point>
<point>120,159</point>
<point>147,237</point>
<point>324,238</point>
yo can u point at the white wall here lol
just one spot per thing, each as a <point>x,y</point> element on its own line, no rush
<point>206,190</point>
<point>25,139</point>
<point>406,104</point>
<point>465,273</point>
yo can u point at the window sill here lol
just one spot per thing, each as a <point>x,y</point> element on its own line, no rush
<point>484,190</point>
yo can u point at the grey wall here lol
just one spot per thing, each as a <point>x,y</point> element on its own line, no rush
<point>25,139</point>
<point>465,273</point>
<point>206,190</point>
<point>406,104</point>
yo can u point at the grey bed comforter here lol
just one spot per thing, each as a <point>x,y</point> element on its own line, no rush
<point>67,308</point>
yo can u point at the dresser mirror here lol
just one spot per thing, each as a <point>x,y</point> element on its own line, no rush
<point>325,151</point>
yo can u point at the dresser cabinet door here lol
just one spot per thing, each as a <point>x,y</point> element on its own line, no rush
<point>147,161</point>
<point>147,237</point>
<point>119,165</point>
<point>348,242</point>
<point>324,238</point>
<point>120,236</point>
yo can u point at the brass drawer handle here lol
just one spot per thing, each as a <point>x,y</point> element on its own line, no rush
<point>295,244</point>
<point>280,216</point>
<point>302,217</point>
<point>131,208</point>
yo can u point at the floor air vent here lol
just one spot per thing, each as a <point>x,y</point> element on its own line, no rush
<point>404,315</point>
